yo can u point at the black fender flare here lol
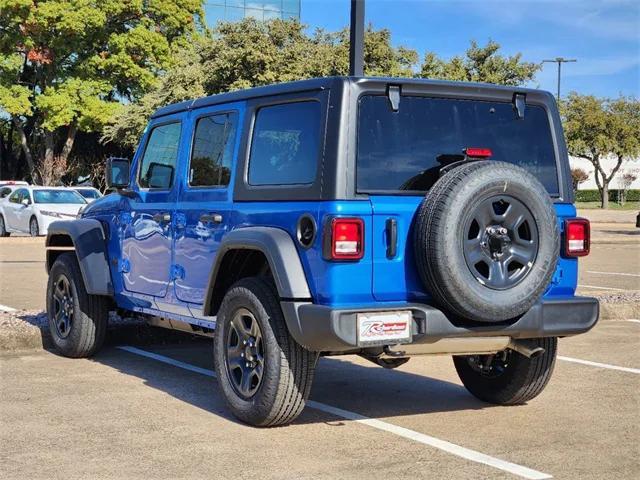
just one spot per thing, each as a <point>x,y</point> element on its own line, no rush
<point>281,253</point>
<point>88,240</point>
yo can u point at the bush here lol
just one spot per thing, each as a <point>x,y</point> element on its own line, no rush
<point>594,195</point>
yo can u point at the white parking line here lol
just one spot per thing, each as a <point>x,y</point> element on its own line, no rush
<point>614,273</point>
<point>448,447</point>
<point>599,365</point>
<point>602,288</point>
<point>4,308</point>
<point>633,320</point>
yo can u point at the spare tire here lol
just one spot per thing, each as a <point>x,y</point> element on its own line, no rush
<point>486,241</point>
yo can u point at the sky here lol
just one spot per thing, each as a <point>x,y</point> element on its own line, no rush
<point>603,35</point>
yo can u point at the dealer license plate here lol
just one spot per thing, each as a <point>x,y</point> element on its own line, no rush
<point>384,328</point>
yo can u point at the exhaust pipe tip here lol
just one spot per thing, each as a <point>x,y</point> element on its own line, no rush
<point>524,349</point>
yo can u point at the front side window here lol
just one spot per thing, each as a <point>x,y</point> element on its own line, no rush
<point>404,150</point>
<point>212,152</point>
<point>158,164</point>
<point>19,195</point>
<point>285,144</point>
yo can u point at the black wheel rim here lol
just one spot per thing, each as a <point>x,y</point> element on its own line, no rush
<point>244,353</point>
<point>501,242</point>
<point>62,306</point>
<point>490,366</point>
<point>33,228</point>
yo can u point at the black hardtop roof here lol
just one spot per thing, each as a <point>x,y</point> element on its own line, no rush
<point>328,82</point>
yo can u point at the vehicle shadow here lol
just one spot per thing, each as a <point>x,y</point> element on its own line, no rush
<point>367,390</point>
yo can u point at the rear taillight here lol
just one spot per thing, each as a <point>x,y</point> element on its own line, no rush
<point>346,239</point>
<point>577,237</point>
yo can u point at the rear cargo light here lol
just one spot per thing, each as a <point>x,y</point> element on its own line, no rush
<point>347,239</point>
<point>477,152</point>
<point>577,237</point>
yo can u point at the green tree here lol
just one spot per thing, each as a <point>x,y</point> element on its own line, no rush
<point>480,64</point>
<point>250,53</point>
<point>66,65</point>
<point>598,128</point>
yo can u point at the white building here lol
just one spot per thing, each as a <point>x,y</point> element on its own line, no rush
<point>632,166</point>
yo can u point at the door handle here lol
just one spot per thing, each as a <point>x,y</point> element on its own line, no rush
<point>211,218</point>
<point>392,237</point>
<point>162,217</point>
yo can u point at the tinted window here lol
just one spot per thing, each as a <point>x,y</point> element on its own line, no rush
<point>18,195</point>
<point>213,151</point>
<point>57,196</point>
<point>404,150</point>
<point>284,148</point>
<point>158,164</point>
<point>5,192</point>
<point>88,193</point>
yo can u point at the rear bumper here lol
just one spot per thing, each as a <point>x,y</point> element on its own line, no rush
<point>326,329</point>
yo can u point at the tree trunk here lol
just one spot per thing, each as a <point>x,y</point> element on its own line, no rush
<point>68,144</point>
<point>605,194</point>
<point>26,150</point>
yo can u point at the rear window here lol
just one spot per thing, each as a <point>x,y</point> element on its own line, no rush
<point>284,149</point>
<point>57,196</point>
<point>404,150</point>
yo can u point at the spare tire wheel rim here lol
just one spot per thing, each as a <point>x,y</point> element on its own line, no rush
<point>501,242</point>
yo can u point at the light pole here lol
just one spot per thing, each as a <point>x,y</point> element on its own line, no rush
<point>356,36</point>
<point>560,61</point>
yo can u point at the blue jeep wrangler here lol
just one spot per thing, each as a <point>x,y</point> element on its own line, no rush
<point>387,218</point>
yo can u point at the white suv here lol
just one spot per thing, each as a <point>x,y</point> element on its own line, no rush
<point>31,209</point>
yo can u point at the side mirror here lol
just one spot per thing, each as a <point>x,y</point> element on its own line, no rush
<point>25,202</point>
<point>117,172</point>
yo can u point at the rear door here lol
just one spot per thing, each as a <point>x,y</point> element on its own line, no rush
<point>204,209</point>
<point>400,154</point>
<point>148,232</point>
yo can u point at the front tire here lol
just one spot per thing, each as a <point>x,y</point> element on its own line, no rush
<point>77,320</point>
<point>3,228</point>
<point>508,378</point>
<point>264,374</point>
<point>34,229</point>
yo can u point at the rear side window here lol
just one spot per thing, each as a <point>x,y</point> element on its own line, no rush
<point>158,164</point>
<point>212,152</point>
<point>285,143</point>
<point>404,150</point>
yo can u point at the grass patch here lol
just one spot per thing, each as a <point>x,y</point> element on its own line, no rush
<point>612,206</point>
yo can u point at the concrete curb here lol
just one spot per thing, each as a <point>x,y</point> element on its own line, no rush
<point>18,335</point>
<point>615,311</point>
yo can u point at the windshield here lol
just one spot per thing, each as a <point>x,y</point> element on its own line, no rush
<point>57,196</point>
<point>405,150</point>
<point>88,193</point>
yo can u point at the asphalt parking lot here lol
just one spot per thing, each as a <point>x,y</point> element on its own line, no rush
<point>153,410</point>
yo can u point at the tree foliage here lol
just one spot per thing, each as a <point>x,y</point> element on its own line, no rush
<point>250,53</point>
<point>66,65</point>
<point>597,128</point>
<point>480,64</point>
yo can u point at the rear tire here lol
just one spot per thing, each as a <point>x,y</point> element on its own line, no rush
<point>3,228</point>
<point>77,320</point>
<point>252,340</point>
<point>34,229</point>
<point>512,381</point>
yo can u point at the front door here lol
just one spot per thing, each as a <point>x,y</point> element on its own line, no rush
<point>203,213</point>
<point>148,225</point>
<point>14,209</point>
